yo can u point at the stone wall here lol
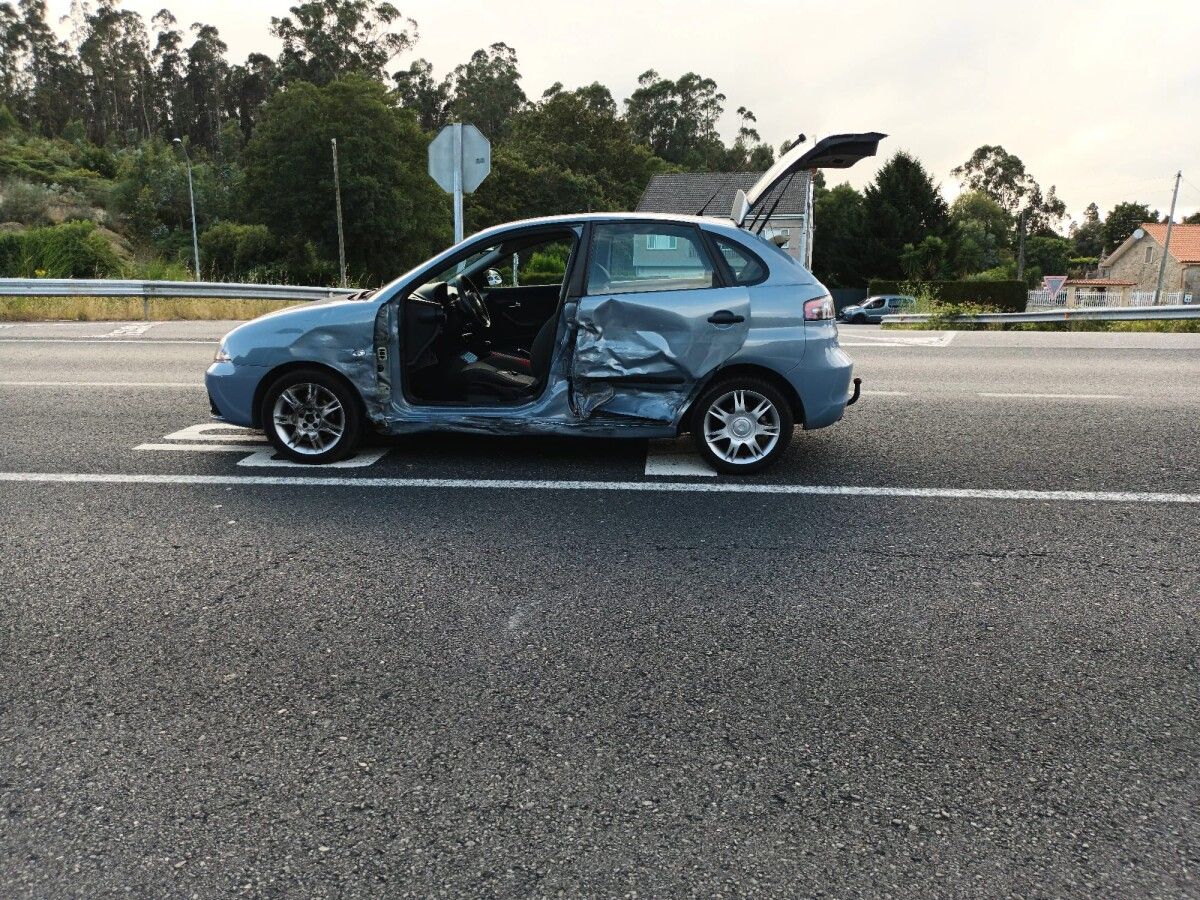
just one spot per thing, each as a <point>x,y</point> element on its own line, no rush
<point>1132,265</point>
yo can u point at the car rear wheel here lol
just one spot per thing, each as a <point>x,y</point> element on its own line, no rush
<point>742,425</point>
<point>311,417</point>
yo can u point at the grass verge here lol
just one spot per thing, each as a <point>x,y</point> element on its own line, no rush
<point>132,309</point>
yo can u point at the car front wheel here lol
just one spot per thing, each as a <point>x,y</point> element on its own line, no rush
<point>742,425</point>
<point>311,417</point>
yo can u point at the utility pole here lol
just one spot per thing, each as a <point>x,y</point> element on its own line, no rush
<point>337,190</point>
<point>1021,224</point>
<point>192,198</point>
<point>1162,266</point>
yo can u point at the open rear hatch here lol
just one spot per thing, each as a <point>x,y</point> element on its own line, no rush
<point>838,151</point>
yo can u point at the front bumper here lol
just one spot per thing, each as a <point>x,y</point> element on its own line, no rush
<point>231,390</point>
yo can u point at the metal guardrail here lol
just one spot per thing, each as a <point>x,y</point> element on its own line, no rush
<point>152,290</point>
<point>1126,313</point>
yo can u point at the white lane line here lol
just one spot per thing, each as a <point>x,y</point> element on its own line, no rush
<point>122,384</point>
<point>675,487</point>
<point>1055,396</point>
<point>266,458</point>
<point>111,342</point>
<point>674,458</point>
<point>214,447</point>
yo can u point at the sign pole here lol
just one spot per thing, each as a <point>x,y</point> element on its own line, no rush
<point>458,183</point>
<point>460,157</point>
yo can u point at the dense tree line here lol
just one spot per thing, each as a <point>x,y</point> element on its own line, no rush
<point>91,126</point>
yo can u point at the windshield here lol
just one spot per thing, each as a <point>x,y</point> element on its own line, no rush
<point>470,264</point>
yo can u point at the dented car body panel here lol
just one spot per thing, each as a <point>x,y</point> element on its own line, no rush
<point>622,361</point>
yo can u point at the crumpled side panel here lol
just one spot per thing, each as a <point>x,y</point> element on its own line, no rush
<point>384,328</point>
<point>643,355</point>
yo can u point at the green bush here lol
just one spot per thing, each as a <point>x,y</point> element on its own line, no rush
<point>1000,296</point>
<point>232,250</point>
<point>73,250</point>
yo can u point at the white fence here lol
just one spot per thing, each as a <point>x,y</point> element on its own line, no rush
<point>1104,299</point>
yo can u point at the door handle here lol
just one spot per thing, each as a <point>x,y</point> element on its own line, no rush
<point>725,317</point>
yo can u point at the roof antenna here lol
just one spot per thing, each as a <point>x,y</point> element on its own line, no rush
<point>726,183</point>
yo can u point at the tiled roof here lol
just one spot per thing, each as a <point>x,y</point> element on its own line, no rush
<point>1185,241</point>
<point>687,192</point>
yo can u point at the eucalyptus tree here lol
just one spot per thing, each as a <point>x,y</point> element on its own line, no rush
<point>324,40</point>
<point>1003,177</point>
<point>678,118</point>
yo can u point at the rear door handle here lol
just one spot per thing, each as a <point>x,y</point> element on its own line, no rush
<point>725,317</point>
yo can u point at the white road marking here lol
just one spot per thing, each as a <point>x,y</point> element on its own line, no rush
<point>894,339</point>
<point>668,458</point>
<point>266,458</point>
<point>214,447</point>
<point>216,432</point>
<point>133,328</point>
<point>112,342</point>
<point>121,384</point>
<point>1055,396</point>
<point>219,437</point>
<point>674,487</point>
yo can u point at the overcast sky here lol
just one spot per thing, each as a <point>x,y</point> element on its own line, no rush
<point>1101,99</point>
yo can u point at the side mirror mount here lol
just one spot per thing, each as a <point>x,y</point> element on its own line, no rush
<point>494,278</point>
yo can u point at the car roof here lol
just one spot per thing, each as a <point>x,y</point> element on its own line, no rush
<point>577,218</point>
<point>711,223</point>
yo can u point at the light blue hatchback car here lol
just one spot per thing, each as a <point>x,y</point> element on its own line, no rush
<point>608,324</point>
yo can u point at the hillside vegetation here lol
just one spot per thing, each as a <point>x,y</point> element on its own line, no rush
<point>96,131</point>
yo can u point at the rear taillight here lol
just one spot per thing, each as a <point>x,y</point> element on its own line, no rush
<point>819,310</point>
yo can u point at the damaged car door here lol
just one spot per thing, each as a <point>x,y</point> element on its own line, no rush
<point>655,319</point>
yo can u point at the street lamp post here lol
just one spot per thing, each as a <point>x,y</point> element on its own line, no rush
<point>192,199</point>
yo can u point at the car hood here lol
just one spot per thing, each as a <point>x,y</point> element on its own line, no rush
<point>333,324</point>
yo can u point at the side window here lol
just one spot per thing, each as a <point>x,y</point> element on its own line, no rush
<point>746,267</point>
<point>875,304</point>
<point>627,259</point>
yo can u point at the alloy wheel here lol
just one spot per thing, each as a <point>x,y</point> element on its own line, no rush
<point>741,427</point>
<point>309,418</point>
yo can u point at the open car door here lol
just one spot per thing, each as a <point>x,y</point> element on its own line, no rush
<point>838,151</point>
<point>656,317</point>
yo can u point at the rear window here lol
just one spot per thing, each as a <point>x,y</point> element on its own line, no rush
<point>746,267</point>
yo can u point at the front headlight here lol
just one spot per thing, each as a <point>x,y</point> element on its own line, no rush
<point>222,355</point>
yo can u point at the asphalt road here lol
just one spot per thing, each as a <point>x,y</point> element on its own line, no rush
<point>225,687</point>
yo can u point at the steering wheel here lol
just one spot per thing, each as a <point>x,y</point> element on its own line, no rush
<point>470,301</point>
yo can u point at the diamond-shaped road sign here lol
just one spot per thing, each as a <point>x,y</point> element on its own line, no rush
<point>444,156</point>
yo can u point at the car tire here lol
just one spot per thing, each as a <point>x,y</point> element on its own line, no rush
<point>742,425</point>
<point>311,416</point>
<point>859,319</point>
